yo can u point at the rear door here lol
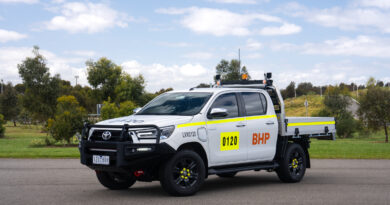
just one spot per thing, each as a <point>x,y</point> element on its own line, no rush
<point>226,143</point>
<point>262,126</point>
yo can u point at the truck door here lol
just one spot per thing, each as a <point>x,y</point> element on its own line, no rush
<point>262,126</point>
<point>226,143</point>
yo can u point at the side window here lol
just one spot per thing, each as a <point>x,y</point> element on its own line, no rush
<point>229,102</point>
<point>254,104</point>
<point>264,102</point>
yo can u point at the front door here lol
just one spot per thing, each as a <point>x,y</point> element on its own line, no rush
<point>226,140</point>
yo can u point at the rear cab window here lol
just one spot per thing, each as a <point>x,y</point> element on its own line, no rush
<point>255,103</point>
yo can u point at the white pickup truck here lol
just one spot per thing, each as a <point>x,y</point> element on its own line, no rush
<point>182,137</point>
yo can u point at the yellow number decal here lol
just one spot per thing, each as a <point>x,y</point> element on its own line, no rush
<point>230,141</point>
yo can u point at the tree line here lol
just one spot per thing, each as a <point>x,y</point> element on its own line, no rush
<point>48,99</point>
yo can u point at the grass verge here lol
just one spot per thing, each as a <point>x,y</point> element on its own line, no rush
<point>19,143</point>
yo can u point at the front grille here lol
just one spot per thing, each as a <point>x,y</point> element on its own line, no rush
<point>97,135</point>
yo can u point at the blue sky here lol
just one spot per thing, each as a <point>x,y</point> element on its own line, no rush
<point>178,43</point>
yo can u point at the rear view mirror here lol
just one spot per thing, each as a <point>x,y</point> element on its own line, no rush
<point>218,112</point>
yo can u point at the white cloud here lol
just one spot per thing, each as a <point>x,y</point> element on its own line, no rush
<point>285,29</point>
<point>252,44</point>
<point>6,36</point>
<point>383,4</point>
<point>354,17</point>
<point>10,57</point>
<point>235,1</point>
<point>20,1</point>
<point>199,55</point>
<point>87,17</point>
<point>159,76</point>
<point>360,46</point>
<point>220,22</point>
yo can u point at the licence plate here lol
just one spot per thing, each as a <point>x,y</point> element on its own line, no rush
<point>98,159</point>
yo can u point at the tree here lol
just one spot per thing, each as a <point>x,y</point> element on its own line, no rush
<point>304,88</point>
<point>9,103</point>
<point>130,88</point>
<point>2,128</point>
<point>336,102</point>
<point>374,108</point>
<point>230,71</point>
<point>126,108</point>
<point>289,92</point>
<point>68,119</point>
<point>41,90</point>
<point>104,76</point>
<point>109,110</point>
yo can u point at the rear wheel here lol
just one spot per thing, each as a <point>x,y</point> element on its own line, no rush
<point>293,166</point>
<point>183,174</point>
<point>227,175</point>
<point>115,181</point>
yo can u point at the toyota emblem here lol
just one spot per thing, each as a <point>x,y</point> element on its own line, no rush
<point>106,135</point>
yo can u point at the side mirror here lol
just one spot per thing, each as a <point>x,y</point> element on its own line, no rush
<point>218,112</point>
<point>136,110</point>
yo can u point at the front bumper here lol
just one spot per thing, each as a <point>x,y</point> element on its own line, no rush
<point>124,156</point>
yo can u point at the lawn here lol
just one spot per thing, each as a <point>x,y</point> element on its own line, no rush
<point>18,144</point>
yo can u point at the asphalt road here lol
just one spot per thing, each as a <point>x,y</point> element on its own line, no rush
<point>65,181</point>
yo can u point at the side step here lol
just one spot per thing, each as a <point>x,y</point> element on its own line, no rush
<point>242,167</point>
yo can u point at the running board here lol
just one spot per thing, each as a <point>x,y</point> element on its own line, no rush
<point>243,167</point>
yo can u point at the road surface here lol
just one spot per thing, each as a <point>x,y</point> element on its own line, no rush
<point>65,181</point>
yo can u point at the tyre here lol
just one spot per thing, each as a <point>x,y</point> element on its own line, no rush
<point>115,181</point>
<point>293,166</point>
<point>227,175</point>
<point>183,174</point>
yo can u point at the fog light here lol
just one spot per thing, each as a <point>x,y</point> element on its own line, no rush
<point>144,149</point>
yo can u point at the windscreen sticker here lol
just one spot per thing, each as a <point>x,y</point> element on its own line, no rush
<point>230,141</point>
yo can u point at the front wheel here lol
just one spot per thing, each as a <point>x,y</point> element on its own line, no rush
<point>293,166</point>
<point>115,181</point>
<point>183,174</point>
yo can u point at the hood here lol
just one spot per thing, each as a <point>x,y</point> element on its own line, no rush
<point>158,120</point>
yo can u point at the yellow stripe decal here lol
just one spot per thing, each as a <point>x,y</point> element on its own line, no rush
<point>191,124</point>
<point>226,120</point>
<point>310,123</point>
<point>260,117</point>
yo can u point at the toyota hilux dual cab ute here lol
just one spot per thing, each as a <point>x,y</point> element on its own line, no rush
<point>182,137</point>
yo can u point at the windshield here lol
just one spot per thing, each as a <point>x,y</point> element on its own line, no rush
<point>186,103</point>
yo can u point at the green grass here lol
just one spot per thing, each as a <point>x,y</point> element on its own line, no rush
<point>18,144</point>
<point>295,106</point>
<point>371,147</point>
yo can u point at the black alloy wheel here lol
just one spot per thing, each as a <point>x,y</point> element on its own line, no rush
<point>293,165</point>
<point>183,174</point>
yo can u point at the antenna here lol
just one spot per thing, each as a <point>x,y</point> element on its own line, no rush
<point>239,59</point>
<point>77,77</point>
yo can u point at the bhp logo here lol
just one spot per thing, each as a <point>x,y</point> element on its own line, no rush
<point>260,138</point>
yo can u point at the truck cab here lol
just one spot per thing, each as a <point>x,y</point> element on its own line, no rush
<point>182,137</point>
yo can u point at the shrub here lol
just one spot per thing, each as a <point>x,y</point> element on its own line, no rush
<point>68,119</point>
<point>111,110</point>
<point>126,108</point>
<point>346,125</point>
<point>2,128</point>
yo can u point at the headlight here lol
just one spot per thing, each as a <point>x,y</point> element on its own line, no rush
<point>166,131</point>
<point>144,133</point>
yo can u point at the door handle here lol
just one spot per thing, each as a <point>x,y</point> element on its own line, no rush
<point>240,125</point>
<point>269,123</point>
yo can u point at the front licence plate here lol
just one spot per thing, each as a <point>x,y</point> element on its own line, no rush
<point>98,159</point>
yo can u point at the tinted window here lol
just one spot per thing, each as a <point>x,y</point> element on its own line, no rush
<point>264,102</point>
<point>253,104</point>
<point>176,104</point>
<point>228,102</point>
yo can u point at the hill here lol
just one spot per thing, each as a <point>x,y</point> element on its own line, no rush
<point>295,107</point>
